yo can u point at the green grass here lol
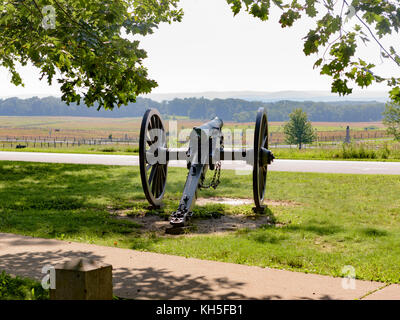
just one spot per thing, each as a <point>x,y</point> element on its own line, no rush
<point>17,288</point>
<point>385,152</point>
<point>338,220</point>
<point>82,149</point>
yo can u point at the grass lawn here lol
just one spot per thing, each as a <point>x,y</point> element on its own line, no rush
<point>336,219</point>
<point>82,149</point>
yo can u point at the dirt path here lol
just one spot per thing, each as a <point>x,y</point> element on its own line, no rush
<point>218,223</point>
<point>145,275</point>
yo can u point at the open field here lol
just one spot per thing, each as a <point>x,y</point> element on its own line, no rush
<point>128,128</point>
<point>316,223</point>
<point>70,127</point>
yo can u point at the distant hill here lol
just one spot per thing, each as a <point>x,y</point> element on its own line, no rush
<point>200,108</point>
<point>264,96</point>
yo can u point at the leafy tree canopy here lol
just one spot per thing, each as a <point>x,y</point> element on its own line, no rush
<point>340,59</point>
<point>83,44</point>
<point>298,129</point>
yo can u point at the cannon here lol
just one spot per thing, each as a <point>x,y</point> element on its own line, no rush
<point>205,152</point>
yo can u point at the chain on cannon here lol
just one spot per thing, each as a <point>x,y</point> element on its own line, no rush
<point>205,152</point>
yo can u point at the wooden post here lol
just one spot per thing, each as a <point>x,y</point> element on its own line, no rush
<point>82,279</point>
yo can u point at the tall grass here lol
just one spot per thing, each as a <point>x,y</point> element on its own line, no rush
<point>357,151</point>
<point>365,151</point>
<point>354,151</point>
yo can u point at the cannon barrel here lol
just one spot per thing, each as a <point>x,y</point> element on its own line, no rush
<point>215,123</point>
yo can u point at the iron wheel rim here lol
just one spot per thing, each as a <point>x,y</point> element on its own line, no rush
<point>260,171</point>
<point>153,176</point>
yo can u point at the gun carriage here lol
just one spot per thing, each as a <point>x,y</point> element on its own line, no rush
<point>205,152</point>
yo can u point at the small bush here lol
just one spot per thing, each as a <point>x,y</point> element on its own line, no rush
<point>20,289</point>
<point>353,151</point>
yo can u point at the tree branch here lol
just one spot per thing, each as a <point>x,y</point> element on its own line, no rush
<point>37,7</point>
<point>373,36</point>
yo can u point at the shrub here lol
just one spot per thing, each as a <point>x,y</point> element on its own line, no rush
<point>353,151</point>
<point>20,289</point>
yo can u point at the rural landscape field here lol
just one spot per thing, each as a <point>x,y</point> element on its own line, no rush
<point>121,136</point>
<point>122,128</point>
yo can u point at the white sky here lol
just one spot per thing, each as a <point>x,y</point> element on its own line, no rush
<point>213,51</point>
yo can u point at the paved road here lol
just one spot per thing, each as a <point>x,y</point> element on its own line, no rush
<point>147,275</point>
<point>355,167</point>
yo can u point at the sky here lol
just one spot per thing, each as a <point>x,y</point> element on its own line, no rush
<point>211,50</point>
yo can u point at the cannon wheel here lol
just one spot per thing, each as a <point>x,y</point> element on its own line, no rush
<point>153,176</point>
<point>259,170</point>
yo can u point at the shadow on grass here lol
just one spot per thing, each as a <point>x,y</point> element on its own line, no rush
<point>373,232</point>
<point>319,230</point>
<point>53,200</point>
<point>267,238</point>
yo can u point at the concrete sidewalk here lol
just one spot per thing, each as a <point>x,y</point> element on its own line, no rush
<point>144,275</point>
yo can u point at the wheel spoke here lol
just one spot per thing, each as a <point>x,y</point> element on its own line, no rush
<point>152,126</point>
<point>157,123</point>
<point>265,142</point>
<point>160,182</point>
<point>261,188</point>
<point>147,136</point>
<point>152,173</point>
<point>164,172</point>
<point>264,179</point>
<point>154,185</point>
<point>156,182</point>
<point>263,182</point>
<point>151,135</point>
<point>164,167</point>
